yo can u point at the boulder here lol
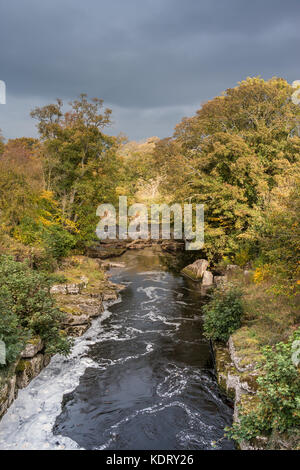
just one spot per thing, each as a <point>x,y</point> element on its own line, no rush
<point>207,279</point>
<point>196,270</point>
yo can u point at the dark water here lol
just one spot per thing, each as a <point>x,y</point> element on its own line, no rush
<point>154,387</point>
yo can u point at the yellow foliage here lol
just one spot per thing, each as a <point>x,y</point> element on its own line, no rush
<point>261,274</point>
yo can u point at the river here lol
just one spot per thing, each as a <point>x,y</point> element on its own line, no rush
<point>141,377</point>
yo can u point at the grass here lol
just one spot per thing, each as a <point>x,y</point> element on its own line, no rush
<point>75,267</point>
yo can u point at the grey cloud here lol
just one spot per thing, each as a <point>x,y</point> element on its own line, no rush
<point>141,55</point>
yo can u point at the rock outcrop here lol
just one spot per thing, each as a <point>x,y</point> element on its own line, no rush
<point>196,270</point>
<point>8,392</point>
<point>34,346</point>
<point>28,369</point>
<point>207,279</point>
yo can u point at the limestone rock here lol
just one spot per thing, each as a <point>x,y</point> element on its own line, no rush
<point>109,295</point>
<point>58,289</point>
<point>69,289</point>
<point>28,369</point>
<point>92,307</point>
<point>235,358</point>
<point>8,393</point>
<point>47,359</point>
<point>71,319</point>
<point>117,287</point>
<point>207,279</point>
<point>196,270</point>
<point>74,289</point>
<point>77,330</point>
<point>84,280</point>
<point>34,346</point>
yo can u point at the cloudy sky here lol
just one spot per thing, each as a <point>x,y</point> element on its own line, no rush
<point>152,61</point>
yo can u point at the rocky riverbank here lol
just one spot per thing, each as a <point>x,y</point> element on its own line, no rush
<point>112,248</point>
<point>80,297</point>
<point>238,363</point>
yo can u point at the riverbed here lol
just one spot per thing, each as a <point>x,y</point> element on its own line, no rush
<point>141,377</point>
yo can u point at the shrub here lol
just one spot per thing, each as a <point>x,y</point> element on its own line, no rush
<point>26,296</point>
<point>222,314</point>
<point>278,408</point>
<point>13,335</point>
<point>58,241</point>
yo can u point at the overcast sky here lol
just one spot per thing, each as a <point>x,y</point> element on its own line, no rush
<point>152,61</point>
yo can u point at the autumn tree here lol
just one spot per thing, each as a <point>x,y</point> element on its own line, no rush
<point>21,180</point>
<point>230,155</point>
<point>140,179</point>
<point>80,161</point>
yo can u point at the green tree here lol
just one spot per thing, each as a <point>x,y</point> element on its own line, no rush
<point>27,308</point>
<point>230,155</point>
<point>80,161</point>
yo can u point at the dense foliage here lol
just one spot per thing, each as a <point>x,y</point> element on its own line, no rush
<point>80,162</point>
<point>239,156</point>
<point>27,309</point>
<point>222,314</point>
<point>231,156</point>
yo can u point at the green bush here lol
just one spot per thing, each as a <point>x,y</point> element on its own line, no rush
<point>222,314</point>
<point>53,242</point>
<point>58,241</point>
<point>13,335</point>
<point>28,307</point>
<point>278,408</point>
